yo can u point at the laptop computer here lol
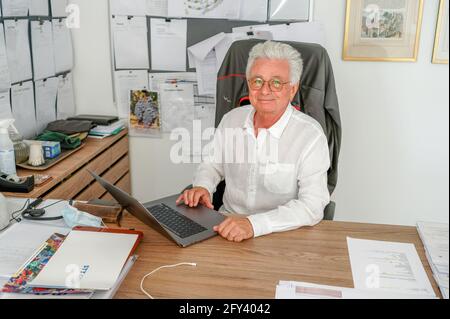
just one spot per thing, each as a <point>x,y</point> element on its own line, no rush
<point>182,224</point>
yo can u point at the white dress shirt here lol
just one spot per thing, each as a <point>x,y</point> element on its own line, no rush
<point>277,190</point>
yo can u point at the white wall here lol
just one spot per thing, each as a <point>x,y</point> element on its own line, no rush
<point>394,160</point>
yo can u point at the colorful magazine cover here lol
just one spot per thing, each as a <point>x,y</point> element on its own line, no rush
<point>19,282</point>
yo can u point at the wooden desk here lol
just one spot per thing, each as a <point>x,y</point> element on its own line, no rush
<point>251,270</point>
<point>107,157</point>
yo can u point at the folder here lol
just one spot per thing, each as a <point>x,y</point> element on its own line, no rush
<point>90,258</point>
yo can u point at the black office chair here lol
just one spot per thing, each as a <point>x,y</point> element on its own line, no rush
<point>316,97</point>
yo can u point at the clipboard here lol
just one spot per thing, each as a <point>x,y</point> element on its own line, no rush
<point>115,231</point>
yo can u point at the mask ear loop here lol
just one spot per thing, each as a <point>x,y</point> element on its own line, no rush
<point>162,267</point>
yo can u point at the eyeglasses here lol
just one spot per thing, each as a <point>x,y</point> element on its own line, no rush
<point>275,85</point>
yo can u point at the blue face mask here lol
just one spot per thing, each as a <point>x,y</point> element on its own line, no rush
<point>73,217</point>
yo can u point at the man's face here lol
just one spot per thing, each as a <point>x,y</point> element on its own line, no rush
<point>266,100</point>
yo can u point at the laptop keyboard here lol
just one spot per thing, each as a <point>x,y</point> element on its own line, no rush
<point>176,222</point>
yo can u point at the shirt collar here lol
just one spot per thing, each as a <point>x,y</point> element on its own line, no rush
<point>278,128</point>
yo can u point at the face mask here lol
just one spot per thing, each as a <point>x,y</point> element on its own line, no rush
<point>73,217</point>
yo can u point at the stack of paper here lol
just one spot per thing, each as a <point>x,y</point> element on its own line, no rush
<point>52,271</point>
<point>435,240</point>
<point>303,290</point>
<point>102,131</point>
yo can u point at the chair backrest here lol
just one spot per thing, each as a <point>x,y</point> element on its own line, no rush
<point>316,97</point>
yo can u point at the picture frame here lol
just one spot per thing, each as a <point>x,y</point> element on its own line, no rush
<point>380,30</point>
<point>440,50</point>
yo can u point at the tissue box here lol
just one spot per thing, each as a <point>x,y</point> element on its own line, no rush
<point>51,149</point>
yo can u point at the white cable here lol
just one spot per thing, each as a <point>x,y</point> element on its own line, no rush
<point>162,267</point>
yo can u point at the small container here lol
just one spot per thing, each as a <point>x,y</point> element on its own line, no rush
<point>51,149</point>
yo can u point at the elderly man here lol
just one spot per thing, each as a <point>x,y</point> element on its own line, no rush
<point>281,184</point>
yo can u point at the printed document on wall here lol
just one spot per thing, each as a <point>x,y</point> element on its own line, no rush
<point>65,101</point>
<point>125,82</point>
<point>39,8</point>
<point>22,103</point>
<point>59,8</point>
<point>212,9</point>
<point>158,8</point>
<point>288,10</point>
<point>15,8</point>
<point>18,50</point>
<point>379,265</point>
<point>130,42</point>
<point>168,44</point>
<point>62,42</point>
<point>5,105</point>
<point>156,79</point>
<point>46,91</point>
<point>177,106</point>
<point>42,47</point>
<point>5,79</point>
<point>310,32</point>
<point>254,10</point>
<point>128,8</point>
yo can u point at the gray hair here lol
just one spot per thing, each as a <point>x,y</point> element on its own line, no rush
<point>278,51</point>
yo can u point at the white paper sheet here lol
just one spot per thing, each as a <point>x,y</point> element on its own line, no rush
<point>46,92</point>
<point>155,79</point>
<point>105,254</point>
<point>22,102</point>
<point>128,8</point>
<point>168,44</point>
<point>200,51</point>
<point>289,10</point>
<point>62,43</point>
<point>59,8</point>
<point>5,105</point>
<point>254,10</point>
<point>43,52</point>
<point>158,8</point>
<point>435,237</point>
<point>177,106</point>
<point>207,74</point>
<point>125,81</point>
<point>15,8</point>
<point>387,266</point>
<point>250,28</point>
<point>18,50</point>
<point>5,79</point>
<point>303,290</point>
<point>223,46</point>
<point>20,241</point>
<point>130,42</point>
<point>310,32</point>
<point>65,101</point>
<point>214,9</point>
<point>39,8</point>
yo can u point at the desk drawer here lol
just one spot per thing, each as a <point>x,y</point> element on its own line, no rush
<point>72,186</point>
<point>113,175</point>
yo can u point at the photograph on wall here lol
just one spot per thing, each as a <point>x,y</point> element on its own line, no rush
<point>440,52</point>
<point>144,113</point>
<point>382,30</point>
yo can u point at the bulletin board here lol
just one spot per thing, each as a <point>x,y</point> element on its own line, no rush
<point>198,29</point>
<point>36,63</point>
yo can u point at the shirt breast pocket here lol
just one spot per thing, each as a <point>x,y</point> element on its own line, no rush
<point>279,178</point>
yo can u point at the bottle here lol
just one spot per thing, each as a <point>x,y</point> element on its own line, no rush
<point>7,157</point>
<point>4,215</point>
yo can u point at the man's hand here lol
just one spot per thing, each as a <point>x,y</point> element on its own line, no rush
<point>235,229</point>
<point>193,197</point>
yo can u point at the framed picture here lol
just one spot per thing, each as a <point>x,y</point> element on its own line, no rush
<point>440,52</point>
<point>382,30</point>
